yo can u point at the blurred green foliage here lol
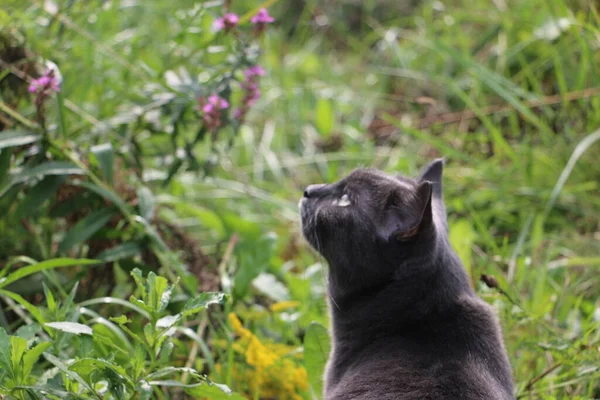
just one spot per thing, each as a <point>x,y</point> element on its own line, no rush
<point>119,168</point>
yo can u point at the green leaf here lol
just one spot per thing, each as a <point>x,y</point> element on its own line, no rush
<point>17,138</point>
<point>213,391</point>
<point>106,194</point>
<point>5,352</point>
<point>105,155</point>
<point>71,327</point>
<point>159,292</point>
<point>49,298</point>
<point>5,157</point>
<point>119,252</point>
<point>86,366</point>
<point>28,332</point>
<point>200,302</point>
<point>146,203</point>
<point>85,228</point>
<point>144,389</point>
<point>168,321</point>
<point>316,352</point>
<point>120,320</point>
<point>32,356</point>
<point>166,371</point>
<point>33,310</point>
<point>38,194</point>
<point>136,273</point>
<point>47,168</point>
<point>324,116</point>
<point>42,266</point>
<point>71,374</point>
<point>18,348</point>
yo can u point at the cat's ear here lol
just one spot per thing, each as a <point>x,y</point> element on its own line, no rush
<point>404,218</point>
<point>433,173</point>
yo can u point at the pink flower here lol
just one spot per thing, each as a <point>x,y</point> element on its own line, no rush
<point>227,22</point>
<point>262,17</point>
<point>260,20</point>
<point>251,91</point>
<point>255,70</point>
<point>46,84</point>
<point>212,110</point>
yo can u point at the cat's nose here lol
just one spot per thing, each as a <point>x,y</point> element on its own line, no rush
<point>313,190</point>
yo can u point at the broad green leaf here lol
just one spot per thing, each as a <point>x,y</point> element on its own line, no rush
<point>17,138</point>
<point>324,116</point>
<point>200,302</point>
<point>38,194</point>
<point>316,352</point>
<point>146,203</point>
<point>28,332</point>
<point>42,266</point>
<point>31,357</point>
<point>47,168</point>
<point>71,327</point>
<point>119,252</point>
<point>18,348</point>
<point>105,155</point>
<point>5,351</point>
<point>85,228</point>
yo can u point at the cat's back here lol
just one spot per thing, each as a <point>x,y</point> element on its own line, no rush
<point>382,380</point>
<point>459,358</point>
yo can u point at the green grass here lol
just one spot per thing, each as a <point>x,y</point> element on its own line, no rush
<point>512,106</point>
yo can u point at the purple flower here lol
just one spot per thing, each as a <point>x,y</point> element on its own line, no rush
<point>260,20</point>
<point>218,102</point>
<point>212,110</point>
<point>46,84</point>
<point>262,17</point>
<point>227,22</point>
<point>254,71</point>
<point>251,91</point>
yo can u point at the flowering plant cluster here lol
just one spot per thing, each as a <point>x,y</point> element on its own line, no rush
<point>215,107</point>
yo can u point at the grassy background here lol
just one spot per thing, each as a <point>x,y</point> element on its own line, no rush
<point>507,90</point>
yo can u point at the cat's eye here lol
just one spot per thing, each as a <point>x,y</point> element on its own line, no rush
<point>344,201</point>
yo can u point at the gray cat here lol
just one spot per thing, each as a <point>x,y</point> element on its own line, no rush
<point>406,324</point>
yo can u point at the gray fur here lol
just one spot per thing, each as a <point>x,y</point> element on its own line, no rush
<point>406,324</point>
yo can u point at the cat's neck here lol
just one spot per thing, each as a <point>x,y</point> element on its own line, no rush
<point>417,289</point>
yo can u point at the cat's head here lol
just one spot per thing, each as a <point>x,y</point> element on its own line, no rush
<point>370,218</point>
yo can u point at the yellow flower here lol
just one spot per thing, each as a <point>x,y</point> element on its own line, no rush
<point>284,305</point>
<point>273,373</point>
